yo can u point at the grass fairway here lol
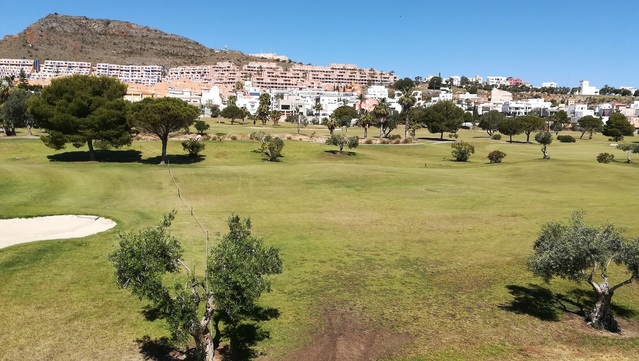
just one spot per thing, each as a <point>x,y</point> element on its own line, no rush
<point>394,252</point>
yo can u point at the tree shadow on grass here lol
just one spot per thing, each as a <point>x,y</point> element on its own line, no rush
<point>175,159</point>
<point>106,156</point>
<point>542,303</point>
<point>585,301</point>
<point>437,139</point>
<point>243,337</point>
<point>337,152</point>
<point>161,349</point>
<point>533,300</point>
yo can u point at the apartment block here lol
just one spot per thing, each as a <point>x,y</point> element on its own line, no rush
<point>13,67</point>
<point>135,74</point>
<point>55,68</point>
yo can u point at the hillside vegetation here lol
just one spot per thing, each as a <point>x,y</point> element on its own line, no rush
<point>78,38</point>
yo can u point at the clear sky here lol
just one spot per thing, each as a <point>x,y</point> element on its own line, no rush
<point>564,41</point>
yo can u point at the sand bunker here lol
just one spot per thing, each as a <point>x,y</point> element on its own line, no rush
<point>22,230</point>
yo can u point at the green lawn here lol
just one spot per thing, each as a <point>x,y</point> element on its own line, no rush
<point>421,251</point>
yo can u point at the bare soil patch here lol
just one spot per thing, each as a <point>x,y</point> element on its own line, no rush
<point>346,336</point>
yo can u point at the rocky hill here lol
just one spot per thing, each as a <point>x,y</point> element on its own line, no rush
<point>78,38</point>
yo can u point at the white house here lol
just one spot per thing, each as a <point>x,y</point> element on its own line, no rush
<point>578,111</point>
<point>586,89</point>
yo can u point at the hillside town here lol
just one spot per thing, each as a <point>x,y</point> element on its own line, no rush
<point>314,91</point>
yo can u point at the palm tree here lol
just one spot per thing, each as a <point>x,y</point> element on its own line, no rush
<point>381,111</point>
<point>365,121</point>
<point>407,101</point>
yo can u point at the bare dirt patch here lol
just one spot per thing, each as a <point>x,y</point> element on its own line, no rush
<point>347,336</point>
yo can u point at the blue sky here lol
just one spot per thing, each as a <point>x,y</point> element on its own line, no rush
<point>563,41</point>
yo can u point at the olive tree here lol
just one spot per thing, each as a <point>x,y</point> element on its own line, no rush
<point>462,151</point>
<point>235,279</point>
<point>579,252</point>
<point>162,116</point>
<point>629,148</point>
<point>544,138</point>
<point>341,140</point>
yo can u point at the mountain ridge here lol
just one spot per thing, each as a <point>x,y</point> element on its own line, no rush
<point>79,38</point>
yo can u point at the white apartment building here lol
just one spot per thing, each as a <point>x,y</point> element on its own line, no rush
<point>496,80</point>
<point>377,92</point>
<point>586,89</point>
<point>500,96</point>
<point>137,74</point>
<point>549,84</point>
<point>13,67</point>
<point>55,68</point>
<point>519,108</point>
<point>578,111</point>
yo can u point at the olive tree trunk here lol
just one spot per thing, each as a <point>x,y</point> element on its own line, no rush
<point>600,316</point>
<point>204,345</point>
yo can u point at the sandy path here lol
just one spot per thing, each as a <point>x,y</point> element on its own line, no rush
<point>22,230</point>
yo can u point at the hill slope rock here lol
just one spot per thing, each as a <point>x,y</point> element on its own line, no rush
<point>78,38</point>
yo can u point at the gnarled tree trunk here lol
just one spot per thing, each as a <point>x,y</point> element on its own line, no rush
<point>601,316</point>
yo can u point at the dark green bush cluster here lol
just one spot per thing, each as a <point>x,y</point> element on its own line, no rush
<point>496,136</point>
<point>496,156</point>
<point>605,157</point>
<point>462,151</point>
<point>566,138</point>
<point>193,147</point>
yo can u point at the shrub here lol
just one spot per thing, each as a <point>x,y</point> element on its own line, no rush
<point>233,137</point>
<point>193,147</point>
<point>395,137</point>
<point>383,141</point>
<point>407,140</point>
<point>453,135</point>
<point>496,136</point>
<point>605,157</point>
<point>396,141</point>
<point>272,147</point>
<point>258,136</point>
<point>368,141</point>
<point>566,138</point>
<point>462,151</point>
<point>496,156</point>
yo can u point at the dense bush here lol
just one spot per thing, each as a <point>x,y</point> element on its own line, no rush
<point>272,147</point>
<point>496,136</point>
<point>462,151</point>
<point>193,147</point>
<point>605,157</point>
<point>368,141</point>
<point>407,140</point>
<point>566,138</point>
<point>395,137</point>
<point>496,156</point>
<point>383,141</point>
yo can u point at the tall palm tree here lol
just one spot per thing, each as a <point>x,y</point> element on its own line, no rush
<point>365,121</point>
<point>381,111</point>
<point>407,101</point>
